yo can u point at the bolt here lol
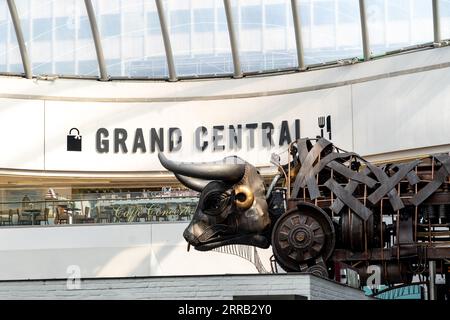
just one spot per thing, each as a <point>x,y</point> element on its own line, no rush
<point>300,236</point>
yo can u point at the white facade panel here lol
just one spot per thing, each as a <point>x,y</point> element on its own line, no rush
<point>22,134</point>
<point>407,112</point>
<point>125,250</point>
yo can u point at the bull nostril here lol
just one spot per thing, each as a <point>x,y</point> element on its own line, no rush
<point>189,237</point>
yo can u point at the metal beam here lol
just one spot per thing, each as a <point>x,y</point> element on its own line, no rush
<point>432,279</point>
<point>97,42</point>
<point>364,30</point>
<point>20,40</point>
<point>298,35</point>
<point>166,39</point>
<point>436,22</point>
<point>233,40</point>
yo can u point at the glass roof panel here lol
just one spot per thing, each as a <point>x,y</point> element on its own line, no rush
<point>331,30</point>
<point>10,58</point>
<point>395,24</point>
<point>445,18</point>
<point>199,37</point>
<point>59,40</point>
<point>58,37</point>
<point>131,37</point>
<point>265,33</point>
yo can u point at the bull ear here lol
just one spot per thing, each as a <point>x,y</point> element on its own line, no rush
<point>231,170</point>
<point>192,183</point>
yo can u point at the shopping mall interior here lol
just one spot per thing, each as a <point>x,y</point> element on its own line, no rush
<point>99,99</point>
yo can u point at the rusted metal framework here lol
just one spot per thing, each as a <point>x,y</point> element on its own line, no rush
<point>394,214</point>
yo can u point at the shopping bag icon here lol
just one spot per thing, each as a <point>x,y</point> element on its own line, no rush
<point>74,140</point>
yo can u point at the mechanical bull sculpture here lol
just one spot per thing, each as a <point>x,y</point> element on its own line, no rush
<point>327,208</point>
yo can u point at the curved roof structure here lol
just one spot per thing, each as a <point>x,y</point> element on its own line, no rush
<point>168,39</point>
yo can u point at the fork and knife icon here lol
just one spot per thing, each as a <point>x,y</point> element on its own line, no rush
<point>321,122</point>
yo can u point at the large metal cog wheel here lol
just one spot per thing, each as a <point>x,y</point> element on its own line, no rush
<point>301,236</point>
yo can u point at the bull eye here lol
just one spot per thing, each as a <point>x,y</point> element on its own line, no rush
<point>241,197</point>
<point>215,203</point>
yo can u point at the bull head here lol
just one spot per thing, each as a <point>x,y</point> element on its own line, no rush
<point>232,208</point>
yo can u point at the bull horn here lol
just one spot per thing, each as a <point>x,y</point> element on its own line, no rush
<point>220,170</point>
<point>244,197</point>
<point>192,183</point>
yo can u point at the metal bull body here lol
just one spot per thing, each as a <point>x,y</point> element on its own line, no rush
<point>332,208</point>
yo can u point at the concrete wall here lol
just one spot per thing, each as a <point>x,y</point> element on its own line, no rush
<point>121,250</point>
<point>205,287</point>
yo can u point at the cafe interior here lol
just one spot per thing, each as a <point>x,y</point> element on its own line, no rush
<point>47,206</point>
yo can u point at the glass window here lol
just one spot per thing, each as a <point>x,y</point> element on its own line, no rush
<point>110,25</point>
<point>275,15</point>
<point>65,67</point>
<point>88,67</point>
<point>10,59</point>
<point>203,20</point>
<point>199,47</point>
<point>64,27</point>
<point>3,30</point>
<point>222,20</point>
<point>42,67</point>
<point>180,21</point>
<point>305,12</point>
<point>422,22</point>
<point>251,17</point>
<point>399,10</point>
<point>445,8</point>
<point>348,11</point>
<point>114,66</point>
<point>331,35</point>
<point>60,35</point>
<point>375,10</point>
<point>323,12</point>
<point>445,18</point>
<point>16,67</point>
<point>422,9</point>
<point>153,25</point>
<point>269,45</point>
<point>134,24</point>
<point>64,205</point>
<point>42,29</point>
<point>131,38</point>
<point>84,28</point>
<point>398,24</point>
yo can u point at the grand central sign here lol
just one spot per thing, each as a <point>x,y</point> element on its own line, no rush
<point>120,140</point>
<point>106,138</point>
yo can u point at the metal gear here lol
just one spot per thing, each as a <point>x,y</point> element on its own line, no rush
<point>301,235</point>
